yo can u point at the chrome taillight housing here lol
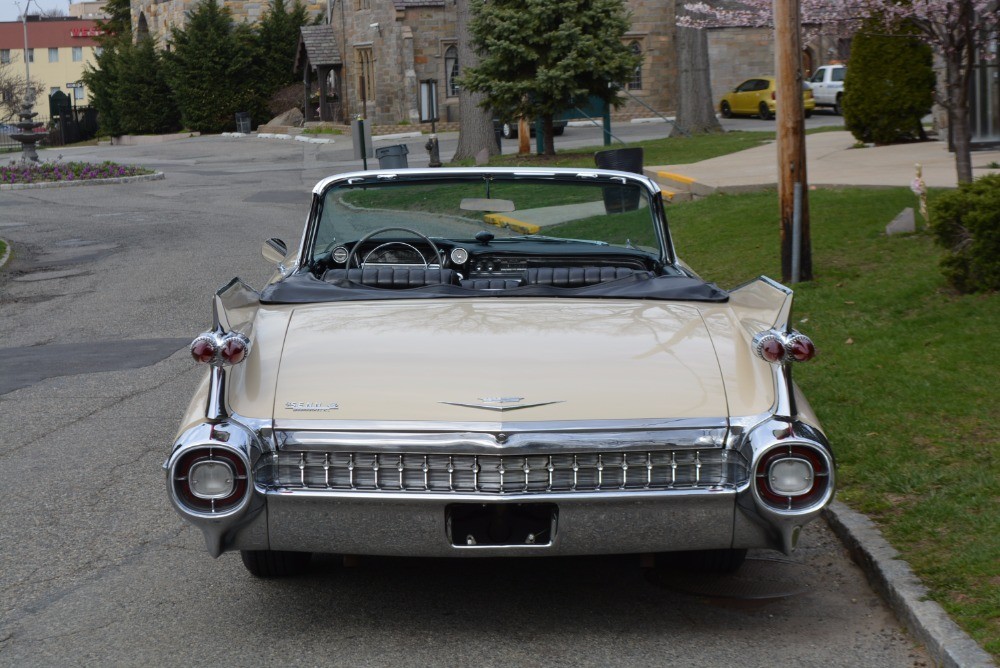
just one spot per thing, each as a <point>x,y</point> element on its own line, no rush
<point>220,348</point>
<point>210,479</point>
<point>777,347</point>
<point>793,476</point>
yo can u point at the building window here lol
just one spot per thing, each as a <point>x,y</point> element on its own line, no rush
<point>98,50</point>
<point>366,74</point>
<point>77,54</point>
<point>31,55</point>
<point>53,54</point>
<point>53,89</point>
<point>5,56</point>
<point>362,4</point>
<point>451,71</point>
<point>78,93</point>
<point>636,82</point>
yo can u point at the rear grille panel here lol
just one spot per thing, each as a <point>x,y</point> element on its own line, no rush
<point>503,474</point>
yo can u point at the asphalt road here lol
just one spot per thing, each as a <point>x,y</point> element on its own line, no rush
<point>106,284</point>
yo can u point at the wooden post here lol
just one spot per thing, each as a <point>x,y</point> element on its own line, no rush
<point>523,137</point>
<point>791,139</point>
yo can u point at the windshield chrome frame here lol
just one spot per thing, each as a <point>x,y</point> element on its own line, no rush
<point>588,176</point>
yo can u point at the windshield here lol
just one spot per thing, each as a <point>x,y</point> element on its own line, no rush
<point>512,208</point>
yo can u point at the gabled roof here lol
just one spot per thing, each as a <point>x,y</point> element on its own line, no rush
<point>317,46</point>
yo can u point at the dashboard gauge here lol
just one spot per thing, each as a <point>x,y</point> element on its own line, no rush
<point>459,256</point>
<point>339,255</point>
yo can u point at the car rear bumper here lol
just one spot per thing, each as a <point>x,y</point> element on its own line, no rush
<point>469,527</point>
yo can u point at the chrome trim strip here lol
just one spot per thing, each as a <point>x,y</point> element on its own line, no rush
<point>507,427</point>
<point>479,442</point>
<point>483,497</point>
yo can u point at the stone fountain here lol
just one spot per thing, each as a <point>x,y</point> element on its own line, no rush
<point>27,135</point>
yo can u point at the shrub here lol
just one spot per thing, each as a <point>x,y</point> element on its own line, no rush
<point>889,88</point>
<point>967,223</point>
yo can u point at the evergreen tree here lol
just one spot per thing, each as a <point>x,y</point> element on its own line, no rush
<point>145,102</point>
<point>103,79</point>
<point>277,39</point>
<point>889,86</point>
<point>539,57</point>
<point>211,70</point>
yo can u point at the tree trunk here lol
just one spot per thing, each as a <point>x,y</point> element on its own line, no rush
<point>475,130</point>
<point>550,144</point>
<point>693,92</point>
<point>958,121</point>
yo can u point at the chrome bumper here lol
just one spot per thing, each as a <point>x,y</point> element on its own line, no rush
<point>420,526</point>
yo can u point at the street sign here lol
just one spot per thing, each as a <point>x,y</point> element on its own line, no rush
<point>75,84</point>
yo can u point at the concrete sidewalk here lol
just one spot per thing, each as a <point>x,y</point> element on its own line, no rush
<point>831,161</point>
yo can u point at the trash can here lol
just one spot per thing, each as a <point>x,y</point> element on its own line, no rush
<point>243,122</point>
<point>619,199</point>
<point>392,157</point>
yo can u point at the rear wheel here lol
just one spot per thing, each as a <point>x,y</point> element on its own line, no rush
<point>837,107</point>
<point>765,112</point>
<point>809,114</point>
<point>727,111</point>
<point>706,561</point>
<point>274,563</point>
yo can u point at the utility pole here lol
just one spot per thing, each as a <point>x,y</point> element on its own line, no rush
<point>793,187</point>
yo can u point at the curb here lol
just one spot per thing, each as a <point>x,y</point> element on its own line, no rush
<point>90,182</point>
<point>895,581</point>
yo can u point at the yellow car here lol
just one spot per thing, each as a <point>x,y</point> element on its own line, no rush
<point>756,97</point>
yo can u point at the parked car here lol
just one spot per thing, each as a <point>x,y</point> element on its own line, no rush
<point>828,87</point>
<point>7,129</point>
<point>757,97</point>
<point>496,362</point>
<point>508,129</point>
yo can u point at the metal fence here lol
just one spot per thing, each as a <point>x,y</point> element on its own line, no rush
<point>73,126</point>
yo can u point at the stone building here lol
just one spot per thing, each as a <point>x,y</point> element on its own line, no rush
<point>386,47</point>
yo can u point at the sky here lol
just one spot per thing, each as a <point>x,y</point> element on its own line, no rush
<point>10,12</point>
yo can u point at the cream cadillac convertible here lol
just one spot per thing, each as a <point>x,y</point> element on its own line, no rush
<point>496,362</point>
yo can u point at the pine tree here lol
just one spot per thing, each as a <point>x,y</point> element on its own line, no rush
<point>540,57</point>
<point>277,39</point>
<point>210,69</point>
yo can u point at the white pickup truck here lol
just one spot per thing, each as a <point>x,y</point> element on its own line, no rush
<point>828,86</point>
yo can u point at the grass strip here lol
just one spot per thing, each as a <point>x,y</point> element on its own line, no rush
<point>905,383</point>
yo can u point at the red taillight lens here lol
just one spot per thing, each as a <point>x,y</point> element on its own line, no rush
<point>203,349</point>
<point>801,348</point>
<point>233,348</point>
<point>776,471</point>
<point>209,348</point>
<point>774,95</point>
<point>769,347</point>
<point>776,347</point>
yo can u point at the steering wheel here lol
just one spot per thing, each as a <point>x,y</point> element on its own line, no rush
<point>360,242</point>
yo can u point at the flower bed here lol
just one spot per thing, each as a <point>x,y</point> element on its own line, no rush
<point>47,172</point>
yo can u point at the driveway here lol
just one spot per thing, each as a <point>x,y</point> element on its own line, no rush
<point>106,287</point>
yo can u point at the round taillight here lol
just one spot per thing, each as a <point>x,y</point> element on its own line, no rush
<point>801,348</point>
<point>792,477</point>
<point>769,347</point>
<point>233,348</point>
<point>210,479</point>
<point>204,349</point>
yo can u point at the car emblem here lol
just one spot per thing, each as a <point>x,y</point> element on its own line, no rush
<point>310,406</point>
<point>500,404</point>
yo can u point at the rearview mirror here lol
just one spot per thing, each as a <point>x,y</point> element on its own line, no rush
<point>274,250</point>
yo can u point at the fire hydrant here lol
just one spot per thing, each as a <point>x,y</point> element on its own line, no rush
<point>432,148</point>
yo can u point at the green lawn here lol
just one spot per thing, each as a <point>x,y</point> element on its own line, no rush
<point>906,381</point>
<point>3,248</point>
